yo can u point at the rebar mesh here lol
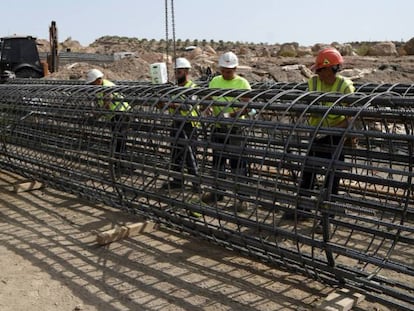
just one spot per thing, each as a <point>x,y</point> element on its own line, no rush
<point>57,134</point>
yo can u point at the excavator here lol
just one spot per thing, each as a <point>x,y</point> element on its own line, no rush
<point>19,56</point>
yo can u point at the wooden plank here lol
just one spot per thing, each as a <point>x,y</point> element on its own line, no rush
<point>27,186</point>
<point>342,300</point>
<point>109,236</point>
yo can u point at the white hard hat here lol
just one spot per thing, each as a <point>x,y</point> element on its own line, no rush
<point>228,60</point>
<point>93,75</point>
<point>182,62</point>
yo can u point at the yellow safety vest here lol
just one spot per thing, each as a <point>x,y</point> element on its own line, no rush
<point>238,83</point>
<point>116,104</point>
<point>193,111</point>
<point>341,85</point>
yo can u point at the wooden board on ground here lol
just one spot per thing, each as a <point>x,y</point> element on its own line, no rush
<point>119,233</point>
<point>27,186</point>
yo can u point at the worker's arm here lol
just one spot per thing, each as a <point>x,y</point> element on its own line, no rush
<point>243,111</point>
<point>107,101</point>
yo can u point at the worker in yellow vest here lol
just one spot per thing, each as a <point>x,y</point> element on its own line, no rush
<point>183,132</point>
<point>327,66</point>
<point>224,134</point>
<point>113,102</point>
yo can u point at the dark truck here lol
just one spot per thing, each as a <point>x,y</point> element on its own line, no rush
<point>20,58</point>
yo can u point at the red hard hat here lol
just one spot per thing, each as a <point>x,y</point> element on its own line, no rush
<point>327,57</point>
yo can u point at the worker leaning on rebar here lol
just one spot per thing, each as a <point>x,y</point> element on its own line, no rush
<point>113,102</point>
<point>183,132</point>
<point>327,66</point>
<point>223,134</point>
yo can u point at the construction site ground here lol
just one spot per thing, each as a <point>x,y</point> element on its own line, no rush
<point>50,261</point>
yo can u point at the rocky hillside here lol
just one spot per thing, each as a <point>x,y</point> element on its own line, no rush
<point>379,62</point>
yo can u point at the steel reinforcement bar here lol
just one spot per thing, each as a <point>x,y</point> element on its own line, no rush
<point>369,87</point>
<point>398,88</point>
<point>354,226</point>
<point>47,81</point>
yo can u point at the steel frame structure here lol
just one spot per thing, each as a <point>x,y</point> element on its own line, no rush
<point>58,135</point>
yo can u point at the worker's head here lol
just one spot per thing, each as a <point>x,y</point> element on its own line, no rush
<point>94,76</point>
<point>182,69</point>
<point>228,63</point>
<point>327,64</point>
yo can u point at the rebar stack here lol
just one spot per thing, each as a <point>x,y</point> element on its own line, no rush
<point>57,134</point>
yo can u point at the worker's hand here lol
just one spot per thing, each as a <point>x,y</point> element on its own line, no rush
<point>208,112</point>
<point>107,101</point>
<point>160,105</point>
<point>238,112</point>
<point>243,111</point>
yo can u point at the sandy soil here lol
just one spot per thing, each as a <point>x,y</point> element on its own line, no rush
<point>50,261</point>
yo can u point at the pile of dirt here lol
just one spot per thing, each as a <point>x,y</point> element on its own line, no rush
<point>132,68</point>
<point>258,63</point>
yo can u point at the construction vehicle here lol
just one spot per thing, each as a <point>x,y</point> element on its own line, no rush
<point>19,57</point>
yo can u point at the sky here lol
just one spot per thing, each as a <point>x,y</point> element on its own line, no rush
<point>259,21</point>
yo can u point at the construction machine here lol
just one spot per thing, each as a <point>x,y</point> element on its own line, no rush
<point>19,56</point>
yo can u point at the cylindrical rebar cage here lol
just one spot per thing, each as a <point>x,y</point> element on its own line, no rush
<point>334,203</point>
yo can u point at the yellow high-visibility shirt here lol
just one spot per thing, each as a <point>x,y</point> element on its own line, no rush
<point>187,109</point>
<point>218,82</point>
<point>116,103</point>
<point>341,85</point>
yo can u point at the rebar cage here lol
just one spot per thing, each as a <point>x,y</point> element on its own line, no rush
<point>57,133</point>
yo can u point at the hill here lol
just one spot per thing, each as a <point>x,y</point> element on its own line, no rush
<point>377,62</point>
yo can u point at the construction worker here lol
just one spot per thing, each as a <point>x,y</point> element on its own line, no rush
<point>223,134</point>
<point>113,102</point>
<point>183,132</point>
<point>327,66</point>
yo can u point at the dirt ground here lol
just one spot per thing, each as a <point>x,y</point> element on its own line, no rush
<point>50,261</point>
